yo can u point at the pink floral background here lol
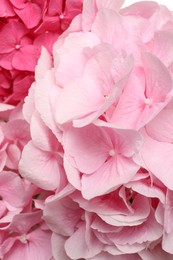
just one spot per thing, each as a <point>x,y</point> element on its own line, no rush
<point>86,130</point>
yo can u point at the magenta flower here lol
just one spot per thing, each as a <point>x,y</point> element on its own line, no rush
<point>17,51</point>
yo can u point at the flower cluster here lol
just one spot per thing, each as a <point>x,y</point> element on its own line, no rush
<point>25,27</point>
<point>93,141</point>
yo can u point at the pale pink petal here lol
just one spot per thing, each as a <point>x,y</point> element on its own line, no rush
<point>44,64</point>
<point>111,175</point>
<point>45,91</point>
<point>37,247</point>
<point>41,168</point>
<point>29,106</point>
<point>162,46</point>
<point>12,189</point>
<point>58,250</point>
<point>155,253</point>
<point>42,136</point>
<point>161,127</point>
<point>143,9</point>
<point>94,150</point>
<point>158,79</point>
<point>62,216</point>
<point>23,222</point>
<point>77,247</point>
<point>73,49</point>
<point>156,156</point>
<point>168,226</point>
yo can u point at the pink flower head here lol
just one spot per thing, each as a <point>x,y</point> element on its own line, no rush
<point>103,155</point>
<point>93,147</point>
<point>41,161</point>
<point>114,223</point>
<point>15,194</point>
<point>15,137</point>
<point>16,49</point>
<point>27,238</point>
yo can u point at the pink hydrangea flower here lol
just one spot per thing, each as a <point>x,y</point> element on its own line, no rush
<point>85,159</point>
<point>104,119</point>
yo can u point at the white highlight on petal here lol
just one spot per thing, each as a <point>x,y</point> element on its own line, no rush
<point>148,101</point>
<point>17,46</point>
<point>23,238</point>
<point>112,152</point>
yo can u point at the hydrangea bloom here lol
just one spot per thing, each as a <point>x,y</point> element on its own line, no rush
<point>25,28</point>
<point>91,147</point>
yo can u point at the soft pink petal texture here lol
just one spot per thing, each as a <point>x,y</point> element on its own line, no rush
<point>95,149</point>
<point>37,247</point>
<point>22,223</point>
<point>57,243</point>
<point>64,56</point>
<point>107,256</point>
<point>150,230</point>
<point>147,187</point>
<point>110,148</point>
<point>158,79</point>
<point>17,130</point>
<point>143,9</point>
<point>62,216</point>
<point>77,245</point>
<point>44,64</point>
<point>90,9</point>
<point>137,216</point>
<point>111,175</point>
<point>45,91</point>
<point>44,171</point>
<point>12,189</point>
<point>146,97</point>
<point>88,90</point>
<point>73,174</point>
<point>98,148</point>
<point>168,226</point>
<point>155,253</point>
<point>42,136</point>
<point>162,46</point>
<point>161,127</point>
<point>29,106</point>
<point>156,156</point>
<point>5,107</point>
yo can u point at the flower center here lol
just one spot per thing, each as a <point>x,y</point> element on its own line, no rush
<point>61,16</point>
<point>23,238</point>
<point>148,101</point>
<point>112,152</point>
<point>17,46</point>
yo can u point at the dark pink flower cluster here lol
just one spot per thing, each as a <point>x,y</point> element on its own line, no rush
<point>86,162</point>
<point>26,26</point>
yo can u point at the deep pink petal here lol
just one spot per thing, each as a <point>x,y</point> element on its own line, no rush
<point>30,14</point>
<point>26,58</point>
